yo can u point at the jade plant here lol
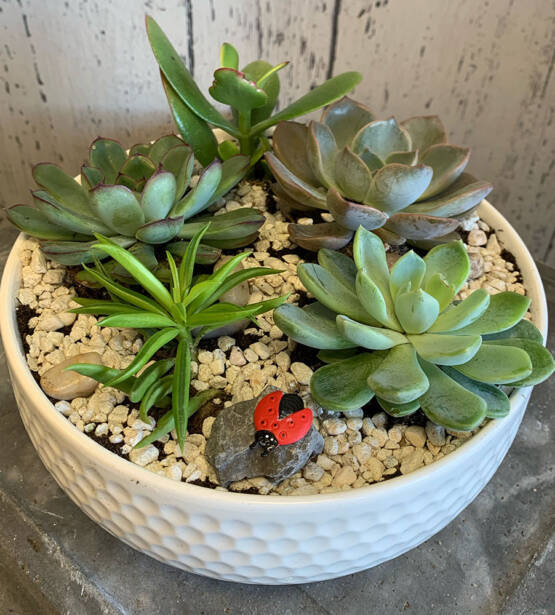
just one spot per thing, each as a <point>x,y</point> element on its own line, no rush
<point>251,93</point>
<point>141,198</point>
<point>180,315</point>
<point>399,335</point>
<point>401,179</point>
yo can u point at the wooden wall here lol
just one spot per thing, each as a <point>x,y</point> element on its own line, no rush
<point>72,70</point>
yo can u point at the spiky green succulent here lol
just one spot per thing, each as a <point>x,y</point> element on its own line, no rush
<point>402,180</point>
<point>141,198</point>
<point>398,335</point>
<point>251,94</point>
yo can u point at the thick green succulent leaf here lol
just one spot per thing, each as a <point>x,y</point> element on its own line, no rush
<point>255,71</point>
<point>462,314</point>
<point>192,128</point>
<point>63,188</point>
<point>387,236</point>
<point>294,186</point>
<point>416,227</point>
<point>497,364</point>
<point>352,175</point>
<point>369,256</point>
<point>339,265</point>
<point>448,162</point>
<point>234,226</point>
<point>345,118</point>
<point>373,338</point>
<point>416,310</point>
<point>108,156</point>
<point>440,289</point>
<point>382,137</point>
<point>181,79</point>
<point>158,196</point>
<point>139,148</point>
<point>407,272</point>
<point>504,311</point>
<point>129,182</point>
<point>461,196</point>
<point>342,385</point>
<point>91,177</point>
<point>523,329</point>
<point>180,162</point>
<point>315,236</point>
<point>229,57</point>
<point>542,360</point>
<point>313,325</point>
<point>335,294</point>
<point>138,167</point>
<point>289,142</point>
<point>79,252</point>
<point>399,410</point>
<point>159,231</point>
<point>318,97</point>
<point>162,146</point>
<point>352,215</point>
<point>232,88</point>
<point>378,305</point>
<point>498,404</point>
<point>428,244</point>
<point>64,218</point>
<point>408,158</point>
<point>445,349</point>
<point>227,149</point>
<point>233,171</point>
<point>36,224</point>
<point>425,131</point>
<point>370,159</point>
<point>144,253</point>
<point>396,186</point>
<point>321,151</point>
<point>200,197</point>
<point>330,356</point>
<point>399,379</point>
<point>118,208</point>
<point>451,261</point>
<point>449,404</point>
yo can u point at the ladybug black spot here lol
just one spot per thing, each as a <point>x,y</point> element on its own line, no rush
<point>290,402</point>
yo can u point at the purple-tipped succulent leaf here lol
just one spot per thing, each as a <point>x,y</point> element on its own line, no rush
<point>351,215</point>
<point>325,235</point>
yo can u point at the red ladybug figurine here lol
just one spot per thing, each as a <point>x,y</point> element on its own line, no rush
<point>280,418</point>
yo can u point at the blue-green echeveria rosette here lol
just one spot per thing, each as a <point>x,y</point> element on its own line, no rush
<point>400,336</point>
<point>402,180</point>
<point>140,199</point>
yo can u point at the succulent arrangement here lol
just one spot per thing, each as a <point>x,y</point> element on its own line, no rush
<point>183,315</point>
<point>399,335</point>
<point>251,93</point>
<point>141,199</point>
<point>402,180</point>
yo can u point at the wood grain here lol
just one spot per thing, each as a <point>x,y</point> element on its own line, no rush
<point>71,70</point>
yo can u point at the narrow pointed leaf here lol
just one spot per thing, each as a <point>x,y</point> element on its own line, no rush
<point>103,374</point>
<point>136,320</point>
<point>180,390</point>
<point>150,375</point>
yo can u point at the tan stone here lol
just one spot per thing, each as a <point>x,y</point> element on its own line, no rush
<point>61,384</point>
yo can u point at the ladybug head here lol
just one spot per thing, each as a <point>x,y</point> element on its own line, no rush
<point>266,440</point>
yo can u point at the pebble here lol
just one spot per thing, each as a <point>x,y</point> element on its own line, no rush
<point>344,476</point>
<point>435,433</point>
<point>413,461</point>
<point>144,456</point>
<point>334,426</point>
<point>477,237</point>
<point>302,372</point>
<point>375,467</point>
<point>64,385</point>
<point>416,435</point>
<point>312,471</point>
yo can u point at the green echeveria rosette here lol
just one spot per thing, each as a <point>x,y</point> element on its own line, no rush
<point>399,335</point>
<point>402,180</point>
<point>141,198</point>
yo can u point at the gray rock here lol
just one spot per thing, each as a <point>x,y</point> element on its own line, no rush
<point>228,448</point>
<point>61,384</point>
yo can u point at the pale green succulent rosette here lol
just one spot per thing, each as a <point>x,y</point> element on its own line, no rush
<point>139,199</point>
<point>402,180</point>
<point>398,335</point>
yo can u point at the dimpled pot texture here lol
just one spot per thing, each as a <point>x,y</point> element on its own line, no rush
<point>254,538</point>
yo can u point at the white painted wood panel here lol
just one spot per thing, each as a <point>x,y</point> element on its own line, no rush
<point>71,70</point>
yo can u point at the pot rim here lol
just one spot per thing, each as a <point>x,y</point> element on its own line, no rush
<point>83,445</point>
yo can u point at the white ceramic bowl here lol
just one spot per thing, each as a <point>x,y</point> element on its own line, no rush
<point>261,539</point>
